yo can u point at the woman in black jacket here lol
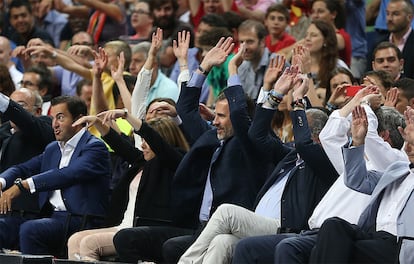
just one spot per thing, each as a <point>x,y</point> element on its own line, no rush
<point>142,197</point>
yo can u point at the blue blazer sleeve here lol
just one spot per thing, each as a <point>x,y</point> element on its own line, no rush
<point>269,145</point>
<point>356,175</point>
<point>88,162</point>
<point>312,153</point>
<point>188,109</point>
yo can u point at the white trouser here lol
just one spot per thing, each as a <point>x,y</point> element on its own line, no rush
<point>226,227</point>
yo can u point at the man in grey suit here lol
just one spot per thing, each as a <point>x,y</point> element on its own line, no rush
<point>385,225</point>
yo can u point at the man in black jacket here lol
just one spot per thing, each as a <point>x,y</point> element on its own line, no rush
<point>300,178</point>
<point>23,137</point>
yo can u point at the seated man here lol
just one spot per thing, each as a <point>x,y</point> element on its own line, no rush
<point>71,177</point>
<point>339,201</point>
<point>300,178</point>
<point>387,220</point>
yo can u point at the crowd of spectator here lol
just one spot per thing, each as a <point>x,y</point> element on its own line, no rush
<point>207,131</point>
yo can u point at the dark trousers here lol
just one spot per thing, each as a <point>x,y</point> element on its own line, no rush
<point>48,235</point>
<point>257,249</point>
<point>145,242</point>
<point>175,247</point>
<point>341,242</point>
<point>9,231</point>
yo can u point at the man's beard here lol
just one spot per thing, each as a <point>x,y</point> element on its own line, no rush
<point>165,22</point>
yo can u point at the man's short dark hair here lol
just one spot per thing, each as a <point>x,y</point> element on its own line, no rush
<point>80,85</point>
<point>280,8</point>
<point>386,45</point>
<point>76,106</point>
<point>20,3</point>
<point>384,77</point>
<point>46,81</point>
<point>214,20</point>
<point>406,85</point>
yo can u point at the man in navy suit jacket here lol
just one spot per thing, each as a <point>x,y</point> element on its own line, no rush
<point>72,179</point>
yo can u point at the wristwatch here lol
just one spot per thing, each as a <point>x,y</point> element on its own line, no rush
<point>19,184</point>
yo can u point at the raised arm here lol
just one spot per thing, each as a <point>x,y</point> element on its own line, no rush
<point>62,59</point>
<point>110,8</point>
<point>98,100</point>
<point>356,175</point>
<point>118,76</point>
<point>180,48</point>
<point>120,144</point>
<point>143,84</point>
<point>187,105</point>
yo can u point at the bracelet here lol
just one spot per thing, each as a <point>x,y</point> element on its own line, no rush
<point>184,65</point>
<point>299,103</point>
<point>125,113</point>
<point>274,104</point>
<point>275,96</point>
<point>331,107</point>
<point>201,69</point>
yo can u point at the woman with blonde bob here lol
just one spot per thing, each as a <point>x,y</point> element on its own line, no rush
<point>142,197</point>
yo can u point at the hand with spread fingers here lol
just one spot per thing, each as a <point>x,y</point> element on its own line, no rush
<point>408,132</point>
<point>285,83</point>
<point>180,48</point>
<point>359,126</point>
<point>218,54</point>
<point>273,71</point>
<point>101,60</point>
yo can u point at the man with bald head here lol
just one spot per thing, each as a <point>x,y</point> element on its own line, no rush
<point>5,58</point>
<point>24,136</point>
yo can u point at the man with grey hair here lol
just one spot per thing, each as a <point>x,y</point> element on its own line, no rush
<point>299,180</point>
<point>389,119</point>
<point>24,136</point>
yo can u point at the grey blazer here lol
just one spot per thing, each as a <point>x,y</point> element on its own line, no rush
<point>374,183</point>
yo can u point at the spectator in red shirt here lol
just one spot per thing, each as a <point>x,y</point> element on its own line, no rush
<point>276,21</point>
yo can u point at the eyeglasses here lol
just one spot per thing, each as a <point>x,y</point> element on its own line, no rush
<point>140,12</point>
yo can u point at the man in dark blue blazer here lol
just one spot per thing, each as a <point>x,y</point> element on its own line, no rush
<point>23,136</point>
<point>71,176</point>
<point>222,166</point>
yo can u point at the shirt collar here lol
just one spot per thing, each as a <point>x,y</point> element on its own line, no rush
<point>73,141</point>
<point>403,40</point>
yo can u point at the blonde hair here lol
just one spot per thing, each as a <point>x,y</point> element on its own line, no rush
<point>169,131</point>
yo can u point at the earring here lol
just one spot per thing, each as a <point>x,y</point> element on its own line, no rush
<point>324,44</point>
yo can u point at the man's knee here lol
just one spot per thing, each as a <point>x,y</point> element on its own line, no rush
<point>224,242</point>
